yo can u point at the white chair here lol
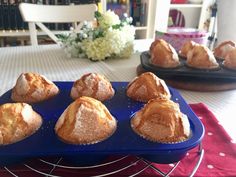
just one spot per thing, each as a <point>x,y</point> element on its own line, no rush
<point>36,14</point>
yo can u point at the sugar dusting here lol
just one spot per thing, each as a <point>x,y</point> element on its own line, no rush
<point>95,86</point>
<point>141,90</point>
<point>226,48</point>
<point>186,125</point>
<point>61,120</point>
<point>211,56</point>
<point>174,53</point>
<point>102,86</point>
<point>91,123</point>
<point>22,85</point>
<point>86,124</point>
<point>74,92</point>
<point>27,113</point>
<point>38,93</point>
<point>78,117</point>
<point>103,90</point>
<point>163,84</point>
<point>48,81</point>
<point>90,80</point>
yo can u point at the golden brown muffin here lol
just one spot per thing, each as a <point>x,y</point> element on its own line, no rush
<point>160,120</point>
<point>187,46</point>
<point>147,86</point>
<point>230,59</point>
<point>93,85</point>
<point>32,88</point>
<point>17,121</point>
<point>163,54</point>
<point>223,48</point>
<point>201,57</point>
<point>85,121</point>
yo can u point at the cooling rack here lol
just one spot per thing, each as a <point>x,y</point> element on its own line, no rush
<point>114,166</point>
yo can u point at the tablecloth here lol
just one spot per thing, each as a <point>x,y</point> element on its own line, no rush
<point>219,158</point>
<point>51,61</point>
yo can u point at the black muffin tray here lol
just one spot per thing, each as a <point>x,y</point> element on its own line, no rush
<point>184,71</point>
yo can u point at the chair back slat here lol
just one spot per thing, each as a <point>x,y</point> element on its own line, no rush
<point>38,14</point>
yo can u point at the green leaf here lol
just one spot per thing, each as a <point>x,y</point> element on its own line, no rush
<point>97,15</point>
<point>117,26</point>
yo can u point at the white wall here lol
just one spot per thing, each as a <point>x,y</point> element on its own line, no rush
<point>226,24</point>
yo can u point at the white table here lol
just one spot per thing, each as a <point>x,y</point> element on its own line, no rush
<point>51,61</point>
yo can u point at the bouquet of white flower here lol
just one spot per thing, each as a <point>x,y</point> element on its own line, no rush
<point>111,38</point>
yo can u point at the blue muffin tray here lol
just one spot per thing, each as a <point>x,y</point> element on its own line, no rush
<point>124,141</point>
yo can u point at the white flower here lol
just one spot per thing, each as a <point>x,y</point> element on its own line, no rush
<point>112,38</point>
<point>128,32</point>
<point>115,40</point>
<point>127,50</point>
<point>108,19</point>
<point>85,35</point>
<point>85,22</point>
<point>130,20</point>
<point>89,25</point>
<point>71,28</point>
<point>98,49</point>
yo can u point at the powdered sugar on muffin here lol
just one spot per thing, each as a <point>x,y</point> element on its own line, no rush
<point>93,85</point>
<point>32,88</point>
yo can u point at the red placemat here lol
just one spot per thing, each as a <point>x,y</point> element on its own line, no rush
<point>219,158</point>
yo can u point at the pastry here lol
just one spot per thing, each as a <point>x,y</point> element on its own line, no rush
<point>201,57</point>
<point>17,121</point>
<point>161,120</point>
<point>85,121</point>
<point>93,85</point>
<point>223,48</point>
<point>163,54</point>
<point>147,86</point>
<point>230,59</point>
<point>32,88</point>
<point>187,46</point>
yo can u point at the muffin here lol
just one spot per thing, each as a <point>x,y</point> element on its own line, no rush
<point>161,120</point>
<point>187,46</point>
<point>17,121</point>
<point>147,86</point>
<point>163,54</point>
<point>85,121</point>
<point>92,85</point>
<point>230,59</point>
<point>32,88</point>
<point>201,57</point>
<point>223,48</point>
